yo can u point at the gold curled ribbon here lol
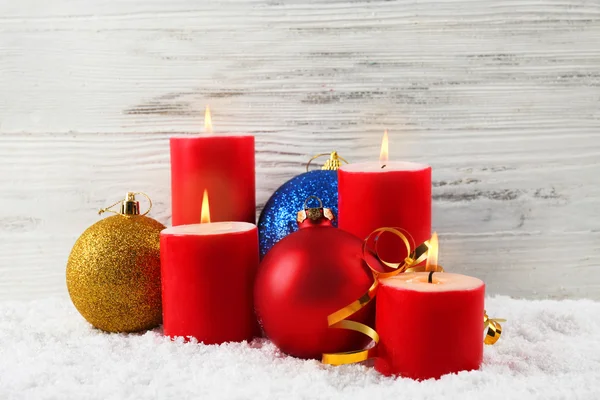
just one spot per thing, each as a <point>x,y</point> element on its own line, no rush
<point>492,328</point>
<point>337,320</point>
<point>354,356</point>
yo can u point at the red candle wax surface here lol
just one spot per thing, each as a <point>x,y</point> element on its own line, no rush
<point>397,195</point>
<point>207,273</point>
<point>223,165</point>
<point>426,329</point>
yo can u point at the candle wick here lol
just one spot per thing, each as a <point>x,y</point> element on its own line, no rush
<point>383,166</point>
<point>430,277</point>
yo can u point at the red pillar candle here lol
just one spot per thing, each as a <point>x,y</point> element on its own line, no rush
<point>398,195</point>
<point>381,194</point>
<point>427,329</point>
<point>207,273</point>
<point>222,164</point>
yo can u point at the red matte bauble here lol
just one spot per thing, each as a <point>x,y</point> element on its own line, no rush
<point>304,278</point>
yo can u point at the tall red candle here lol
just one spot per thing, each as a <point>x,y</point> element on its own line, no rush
<point>427,329</point>
<point>397,195</point>
<point>207,273</point>
<point>224,165</point>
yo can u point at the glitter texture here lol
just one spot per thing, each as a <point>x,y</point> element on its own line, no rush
<point>278,218</point>
<point>113,274</point>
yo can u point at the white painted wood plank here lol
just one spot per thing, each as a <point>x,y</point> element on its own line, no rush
<point>502,99</point>
<point>69,73</point>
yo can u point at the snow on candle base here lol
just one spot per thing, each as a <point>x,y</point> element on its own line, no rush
<point>208,273</point>
<point>426,329</point>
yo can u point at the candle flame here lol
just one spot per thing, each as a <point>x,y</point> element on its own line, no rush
<point>205,213</point>
<point>207,120</point>
<point>432,253</point>
<point>383,156</point>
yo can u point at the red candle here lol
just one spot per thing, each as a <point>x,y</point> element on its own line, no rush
<point>386,194</point>
<point>222,164</point>
<point>207,273</point>
<point>427,329</point>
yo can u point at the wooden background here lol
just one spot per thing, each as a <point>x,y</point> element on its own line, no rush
<point>502,98</point>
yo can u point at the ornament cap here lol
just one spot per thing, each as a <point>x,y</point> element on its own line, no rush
<point>317,215</point>
<point>332,164</point>
<point>129,206</point>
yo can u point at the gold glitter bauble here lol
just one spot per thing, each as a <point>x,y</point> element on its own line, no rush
<point>113,274</point>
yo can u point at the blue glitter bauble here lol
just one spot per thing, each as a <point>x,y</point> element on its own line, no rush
<point>278,218</point>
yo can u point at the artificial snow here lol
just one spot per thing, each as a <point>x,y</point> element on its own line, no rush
<point>548,349</point>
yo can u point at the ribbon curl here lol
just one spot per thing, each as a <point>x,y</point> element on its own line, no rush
<point>411,263</point>
<point>492,328</point>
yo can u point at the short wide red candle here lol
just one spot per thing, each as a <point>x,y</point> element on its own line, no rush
<point>397,195</point>
<point>426,329</point>
<point>207,273</point>
<point>224,166</point>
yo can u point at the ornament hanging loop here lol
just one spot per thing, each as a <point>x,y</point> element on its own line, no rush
<point>149,202</point>
<point>333,164</point>
<point>108,209</point>
<point>129,206</point>
<point>312,197</point>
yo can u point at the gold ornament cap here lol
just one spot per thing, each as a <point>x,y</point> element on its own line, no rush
<point>129,206</point>
<point>332,164</point>
<point>314,214</point>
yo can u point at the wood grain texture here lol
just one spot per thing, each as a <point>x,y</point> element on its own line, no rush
<point>503,100</point>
